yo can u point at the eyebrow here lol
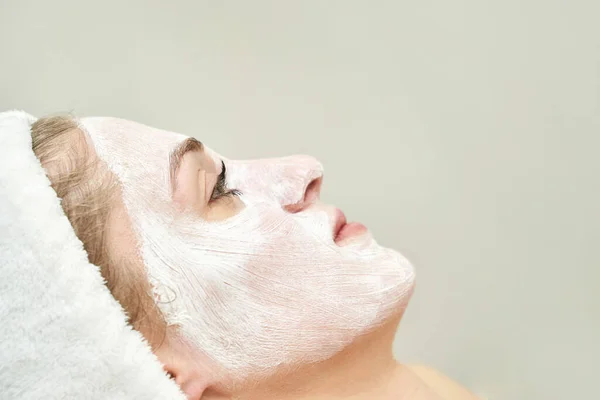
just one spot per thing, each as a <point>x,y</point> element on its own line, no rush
<point>189,144</point>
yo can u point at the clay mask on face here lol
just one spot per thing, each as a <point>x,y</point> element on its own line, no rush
<point>264,287</point>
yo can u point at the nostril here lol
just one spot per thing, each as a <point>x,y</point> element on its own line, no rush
<point>313,190</point>
<point>312,193</point>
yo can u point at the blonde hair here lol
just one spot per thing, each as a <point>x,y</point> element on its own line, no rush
<point>88,193</point>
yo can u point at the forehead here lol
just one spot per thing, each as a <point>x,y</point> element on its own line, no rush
<point>139,156</point>
<point>122,143</point>
<point>123,138</point>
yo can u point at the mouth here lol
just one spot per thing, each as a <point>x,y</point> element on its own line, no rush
<point>342,229</point>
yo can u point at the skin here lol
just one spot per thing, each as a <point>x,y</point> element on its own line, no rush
<point>366,369</point>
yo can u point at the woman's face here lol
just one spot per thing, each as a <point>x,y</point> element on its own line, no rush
<point>254,270</point>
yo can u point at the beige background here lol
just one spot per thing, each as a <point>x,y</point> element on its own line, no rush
<point>464,133</point>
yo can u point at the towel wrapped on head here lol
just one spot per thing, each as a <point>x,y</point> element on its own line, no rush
<point>63,335</point>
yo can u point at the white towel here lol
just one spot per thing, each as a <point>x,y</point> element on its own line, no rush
<point>62,334</point>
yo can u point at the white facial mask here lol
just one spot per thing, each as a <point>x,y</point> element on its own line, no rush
<point>265,287</point>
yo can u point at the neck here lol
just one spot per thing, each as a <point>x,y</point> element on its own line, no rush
<point>364,370</point>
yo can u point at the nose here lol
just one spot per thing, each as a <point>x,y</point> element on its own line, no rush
<point>312,193</point>
<point>305,178</point>
<point>293,182</point>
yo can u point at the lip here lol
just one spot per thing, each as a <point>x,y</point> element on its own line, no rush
<point>343,230</point>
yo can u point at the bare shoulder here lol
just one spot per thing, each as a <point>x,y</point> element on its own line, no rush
<point>445,387</point>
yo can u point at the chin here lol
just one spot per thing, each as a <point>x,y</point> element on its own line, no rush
<point>399,284</point>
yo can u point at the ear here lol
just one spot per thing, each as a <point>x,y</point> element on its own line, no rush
<point>185,367</point>
<point>189,381</point>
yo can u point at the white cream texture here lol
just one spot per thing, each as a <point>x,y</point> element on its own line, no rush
<point>261,289</point>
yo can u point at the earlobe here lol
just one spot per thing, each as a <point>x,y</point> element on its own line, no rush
<point>185,366</point>
<point>193,390</point>
<point>193,386</point>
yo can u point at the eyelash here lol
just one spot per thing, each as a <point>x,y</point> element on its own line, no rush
<point>220,189</point>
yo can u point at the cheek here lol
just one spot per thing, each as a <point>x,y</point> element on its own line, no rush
<point>224,208</point>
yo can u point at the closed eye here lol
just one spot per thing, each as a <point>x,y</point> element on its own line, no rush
<point>220,190</point>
